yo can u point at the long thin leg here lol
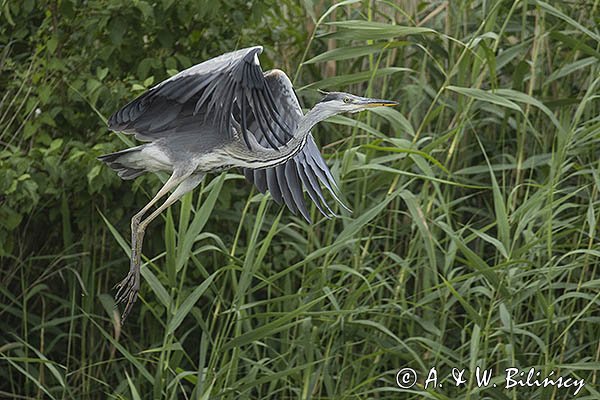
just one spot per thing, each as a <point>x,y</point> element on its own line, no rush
<point>132,277</point>
<point>129,287</point>
<point>175,179</point>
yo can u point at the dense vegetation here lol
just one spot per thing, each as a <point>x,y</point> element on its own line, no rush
<point>473,239</point>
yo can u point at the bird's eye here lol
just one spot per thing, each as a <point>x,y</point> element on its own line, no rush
<point>347,100</point>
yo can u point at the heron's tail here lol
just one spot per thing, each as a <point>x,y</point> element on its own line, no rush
<point>124,162</point>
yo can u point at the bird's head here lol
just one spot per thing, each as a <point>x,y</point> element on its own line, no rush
<point>346,102</point>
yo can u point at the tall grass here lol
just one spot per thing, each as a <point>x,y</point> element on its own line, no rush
<point>473,240</point>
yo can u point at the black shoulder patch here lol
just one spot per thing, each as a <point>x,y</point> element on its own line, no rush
<point>330,96</point>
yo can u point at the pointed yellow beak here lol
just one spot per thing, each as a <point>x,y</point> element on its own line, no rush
<point>370,103</point>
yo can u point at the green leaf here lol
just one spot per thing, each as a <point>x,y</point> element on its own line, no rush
<point>502,221</point>
<point>408,151</point>
<point>521,97</point>
<point>9,218</point>
<point>135,395</point>
<point>200,219</point>
<point>188,303</point>
<point>473,314</point>
<point>146,9</point>
<point>133,360</point>
<point>101,73</point>
<point>554,11</point>
<point>116,30</point>
<point>52,44</point>
<point>570,68</point>
<point>116,235</point>
<point>157,287</point>
<point>419,219</point>
<point>473,260</point>
<point>349,79</point>
<point>310,9</point>
<point>277,325</point>
<point>167,4</point>
<point>369,30</point>
<point>575,43</point>
<point>486,96</point>
<point>149,81</point>
<point>6,13</point>
<point>395,117</point>
<point>354,227</point>
<point>93,173</point>
<point>92,85</point>
<point>347,53</point>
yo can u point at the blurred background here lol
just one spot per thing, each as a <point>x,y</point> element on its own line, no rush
<point>473,239</point>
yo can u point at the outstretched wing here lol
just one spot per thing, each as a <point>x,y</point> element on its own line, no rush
<point>305,171</point>
<point>205,94</point>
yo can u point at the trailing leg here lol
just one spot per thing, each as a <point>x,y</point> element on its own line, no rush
<point>129,287</point>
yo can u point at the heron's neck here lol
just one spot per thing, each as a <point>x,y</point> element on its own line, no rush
<point>261,157</point>
<point>315,115</point>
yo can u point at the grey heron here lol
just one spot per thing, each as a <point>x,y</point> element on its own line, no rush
<point>224,113</point>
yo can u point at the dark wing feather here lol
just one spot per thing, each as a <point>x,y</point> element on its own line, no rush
<point>306,171</point>
<point>207,94</point>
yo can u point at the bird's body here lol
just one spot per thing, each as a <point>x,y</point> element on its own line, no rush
<point>221,114</point>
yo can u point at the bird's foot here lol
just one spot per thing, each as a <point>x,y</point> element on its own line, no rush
<point>127,291</point>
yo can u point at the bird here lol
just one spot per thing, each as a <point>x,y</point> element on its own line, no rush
<point>225,113</point>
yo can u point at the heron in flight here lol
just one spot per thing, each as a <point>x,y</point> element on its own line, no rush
<point>224,113</point>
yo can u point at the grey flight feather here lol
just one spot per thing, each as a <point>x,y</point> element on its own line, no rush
<point>305,171</point>
<point>205,94</point>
